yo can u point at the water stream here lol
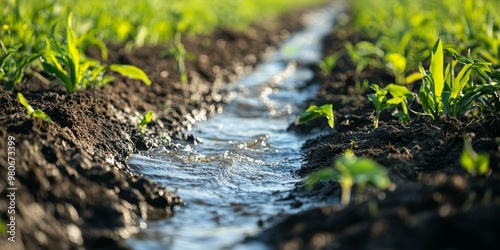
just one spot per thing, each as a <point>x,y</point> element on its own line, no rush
<point>237,176</point>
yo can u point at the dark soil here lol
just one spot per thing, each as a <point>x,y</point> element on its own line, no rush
<point>434,204</point>
<point>74,187</point>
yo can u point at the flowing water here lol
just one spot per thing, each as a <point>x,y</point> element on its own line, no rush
<point>237,177</point>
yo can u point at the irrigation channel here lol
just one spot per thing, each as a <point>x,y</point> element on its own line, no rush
<point>243,168</point>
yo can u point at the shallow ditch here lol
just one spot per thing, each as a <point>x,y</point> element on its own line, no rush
<point>237,177</point>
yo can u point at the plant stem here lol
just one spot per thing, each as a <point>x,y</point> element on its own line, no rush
<point>405,111</point>
<point>377,117</point>
<point>346,185</point>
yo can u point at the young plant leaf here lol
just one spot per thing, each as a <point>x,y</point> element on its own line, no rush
<point>327,173</point>
<point>25,103</point>
<point>145,120</point>
<point>397,64</point>
<point>328,63</point>
<point>471,161</point>
<point>379,100</point>
<point>131,72</point>
<point>349,170</point>
<point>314,112</point>
<point>38,113</point>
<point>413,77</point>
<point>460,81</point>
<point>399,91</point>
<point>73,56</point>
<point>436,68</point>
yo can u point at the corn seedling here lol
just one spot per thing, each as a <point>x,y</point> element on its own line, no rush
<point>33,113</point>
<point>380,101</point>
<point>12,65</point>
<point>398,65</point>
<point>77,71</point>
<point>444,92</point>
<point>364,54</point>
<point>471,161</point>
<point>180,55</point>
<point>350,170</point>
<point>328,63</point>
<point>400,95</point>
<point>361,86</point>
<point>433,83</point>
<point>314,112</point>
<point>146,118</point>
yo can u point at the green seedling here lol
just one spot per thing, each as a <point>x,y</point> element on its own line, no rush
<point>476,83</point>
<point>350,170</point>
<point>380,101</point>
<point>33,113</point>
<point>180,55</point>
<point>397,64</point>
<point>13,64</point>
<point>400,95</point>
<point>444,92</point>
<point>361,86</point>
<point>77,71</point>
<point>145,120</point>
<point>471,161</point>
<point>328,63</point>
<point>433,83</point>
<point>314,112</point>
<point>364,54</point>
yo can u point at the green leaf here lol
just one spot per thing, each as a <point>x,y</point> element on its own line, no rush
<point>460,81</point>
<point>61,74</point>
<point>395,101</point>
<point>426,94</point>
<point>146,119</point>
<point>314,112</point>
<point>329,62</point>
<point>131,71</point>
<point>40,114</point>
<point>348,170</point>
<point>472,161</point>
<point>367,171</point>
<point>37,113</point>
<point>324,174</point>
<point>363,170</point>
<point>436,68</point>
<point>73,59</point>
<point>399,91</point>
<point>25,103</point>
<point>396,62</point>
<point>413,77</point>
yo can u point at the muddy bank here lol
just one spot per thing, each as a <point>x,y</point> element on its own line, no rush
<point>74,188</point>
<point>435,205</point>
